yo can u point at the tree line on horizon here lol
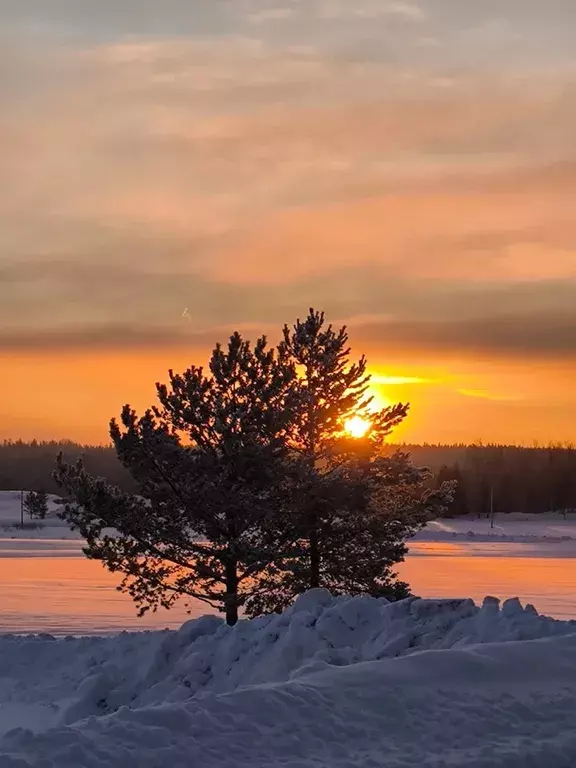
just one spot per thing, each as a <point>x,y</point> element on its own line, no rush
<point>498,478</point>
<point>493,480</point>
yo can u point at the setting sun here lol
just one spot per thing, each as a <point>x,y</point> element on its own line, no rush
<point>356,426</point>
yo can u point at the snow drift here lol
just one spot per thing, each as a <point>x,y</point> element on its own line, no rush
<point>330,682</point>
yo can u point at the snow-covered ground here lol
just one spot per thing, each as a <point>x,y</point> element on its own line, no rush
<point>51,528</point>
<point>544,575</point>
<point>331,683</point>
<point>48,586</point>
<point>529,556</point>
<point>550,528</point>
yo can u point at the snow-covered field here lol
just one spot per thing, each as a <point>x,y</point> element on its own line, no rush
<point>551,528</point>
<point>10,520</point>
<point>546,529</point>
<point>331,683</point>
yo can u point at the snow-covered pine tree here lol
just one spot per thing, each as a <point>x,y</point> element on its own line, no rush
<point>36,504</point>
<point>212,471</point>
<point>355,504</point>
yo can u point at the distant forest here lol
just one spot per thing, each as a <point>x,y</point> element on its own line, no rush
<point>490,477</point>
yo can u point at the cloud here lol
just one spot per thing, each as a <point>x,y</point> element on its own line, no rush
<point>246,170</point>
<point>524,337</point>
<point>104,337</point>
<point>270,14</point>
<point>393,381</point>
<point>484,394</point>
<point>415,326</point>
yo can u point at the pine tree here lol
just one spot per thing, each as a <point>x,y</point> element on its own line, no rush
<point>36,504</point>
<point>212,471</point>
<point>331,390</point>
<point>355,506</point>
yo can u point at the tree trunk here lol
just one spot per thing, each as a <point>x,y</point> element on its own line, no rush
<point>231,598</point>
<point>314,554</point>
<point>313,537</point>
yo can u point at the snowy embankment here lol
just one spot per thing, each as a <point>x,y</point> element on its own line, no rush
<point>11,520</point>
<point>546,529</point>
<point>332,682</point>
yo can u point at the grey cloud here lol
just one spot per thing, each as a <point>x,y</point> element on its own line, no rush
<point>69,303</point>
<point>69,300</point>
<point>87,337</point>
<point>534,336</point>
<point>481,33</point>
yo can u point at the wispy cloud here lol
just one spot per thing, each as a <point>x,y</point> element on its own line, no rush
<point>241,159</point>
<point>394,381</point>
<point>484,394</point>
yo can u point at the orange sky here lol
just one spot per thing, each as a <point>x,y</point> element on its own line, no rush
<point>74,395</point>
<point>172,175</point>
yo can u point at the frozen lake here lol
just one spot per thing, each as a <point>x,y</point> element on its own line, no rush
<point>541,574</point>
<point>48,586</point>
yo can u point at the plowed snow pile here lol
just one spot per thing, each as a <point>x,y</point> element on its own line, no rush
<point>330,683</point>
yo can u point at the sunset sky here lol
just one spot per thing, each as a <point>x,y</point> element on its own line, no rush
<point>175,170</point>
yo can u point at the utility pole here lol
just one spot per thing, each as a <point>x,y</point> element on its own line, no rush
<point>22,510</point>
<point>491,505</point>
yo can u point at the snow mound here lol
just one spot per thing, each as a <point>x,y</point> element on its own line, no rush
<point>330,682</point>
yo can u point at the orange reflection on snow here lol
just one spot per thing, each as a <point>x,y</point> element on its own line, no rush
<point>452,570</point>
<point>73,595</point>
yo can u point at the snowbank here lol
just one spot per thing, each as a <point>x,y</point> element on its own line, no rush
<point>330,682</point>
